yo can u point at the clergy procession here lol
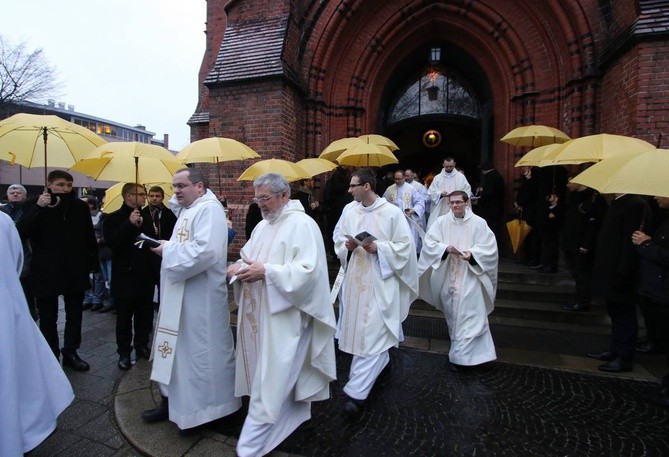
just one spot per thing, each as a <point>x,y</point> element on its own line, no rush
<point>250,345</point>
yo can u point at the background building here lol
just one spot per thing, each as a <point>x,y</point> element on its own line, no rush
<point>288,77</point>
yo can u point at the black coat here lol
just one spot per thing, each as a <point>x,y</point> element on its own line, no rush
<point>583,215</point>
<point>654,269</point>
<point>526,197</point>
<point>158,224</point>
<point>616,261</point>
<point>491,200</point>
<point>63,243</point>
<point>132,272</point>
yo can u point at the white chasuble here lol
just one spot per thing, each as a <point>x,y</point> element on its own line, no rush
<point>445,182</point>
<point>464,292</point>
<point>378,288</point>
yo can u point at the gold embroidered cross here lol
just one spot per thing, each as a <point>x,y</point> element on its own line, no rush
<point>183,232</point>
<point>165,349</point>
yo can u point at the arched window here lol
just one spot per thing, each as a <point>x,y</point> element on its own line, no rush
<point>434,92</point>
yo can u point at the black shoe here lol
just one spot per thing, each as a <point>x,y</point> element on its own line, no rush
<point>157,414</point>
<point>142,353</point>
<point>106,309</point>
<point>86,306</point>
<point>605,356</point>
<point>537,267</point>
<point>616,366</point>
<point>97,307</point>
<point>72,359</point>
<point>454,368</point>
<point>353,408</point>
<point>576,307</point>
<point>649,347</point>
<point>124,362</point>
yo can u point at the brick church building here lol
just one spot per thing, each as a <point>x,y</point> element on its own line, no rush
<point>288,77</point>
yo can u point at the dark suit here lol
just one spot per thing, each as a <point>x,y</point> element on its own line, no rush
<point>615,271</point>
<point>490,205</point>
<point>65,251</point>
<point>133,281</point>
<point>158,223</point>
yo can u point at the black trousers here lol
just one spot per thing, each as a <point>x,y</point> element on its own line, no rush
<point>580,267</point>
<point>549,248</point>
<point>48,316</point>
<point>139,308</point>
<point>624,328</point>
<point>658,313</point>
<point>28,292</point>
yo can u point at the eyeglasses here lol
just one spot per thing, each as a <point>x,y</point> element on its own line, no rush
<point>180,186</point>
<point>263,199</point>
<point>355,185</point>
<point>457,202</point>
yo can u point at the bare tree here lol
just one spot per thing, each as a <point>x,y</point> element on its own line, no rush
<point>25,75</point>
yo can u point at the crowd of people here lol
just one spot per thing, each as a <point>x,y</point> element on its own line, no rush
<point>394,242</point>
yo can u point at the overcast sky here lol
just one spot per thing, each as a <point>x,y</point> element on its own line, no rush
<point>128,61</point>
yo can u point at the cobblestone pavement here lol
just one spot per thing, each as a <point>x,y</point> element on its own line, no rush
<point>503,409</point>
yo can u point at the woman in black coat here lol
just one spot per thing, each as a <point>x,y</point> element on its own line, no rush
<point>654,284</point>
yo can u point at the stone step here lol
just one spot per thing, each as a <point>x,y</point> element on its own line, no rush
<point>534,293</point>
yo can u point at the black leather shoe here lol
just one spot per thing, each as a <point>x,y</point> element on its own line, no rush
<point>605,356</point>
<point>143,353</point>
<point>97,307</point>
<point>576,307</point>
<point>124,362</point>
<point>157,414</point>
<point>353,408</point>
<point>616,366</point>
<point>72,360</point>
<point>649,347</point>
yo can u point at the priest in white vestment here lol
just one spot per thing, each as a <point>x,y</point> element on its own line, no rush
<point>33,388</point>
<point>380,283</point>
<point>448,180</point>
<point>286,324</point>
<point>410,202</point>
<point>193,348</point>
<point>412,179</point>
<point>458,269</point>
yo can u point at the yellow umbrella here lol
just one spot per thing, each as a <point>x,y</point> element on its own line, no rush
<point>593,148</point>
<point>114,199</point>
<point>35,141</point>
<point>289,170</point>
<point>316,166</point>
<point>534,136</point>
<point>518,230</point>
<point>537,157</point>
<point>367,155</point>
<point>337,147</point>
<point>643,173</point>
<point>129,162</point>
<point>216,150</point>
<point>379,140</point>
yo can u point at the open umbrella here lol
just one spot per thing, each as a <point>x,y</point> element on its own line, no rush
<point>534,136</point>
<point>367,155</point>
<point>518,229</point>
<point>337,147</point>
<point>379,140</point>
<point>643,173</point>
<point>593,148</point>
<point>316,166</point>
<point>289,170</point>
<point>129,162</point>
<point>216,150</point>
<point>35,141</point>
<point>114,199</point>
<point>538,157</point>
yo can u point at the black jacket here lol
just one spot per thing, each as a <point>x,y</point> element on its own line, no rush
<point>654,269</point>
<point>616,264</point>
<point>583,215</point>
<point>491,200</point>
<point>132,272</point>
<point>63,243</point>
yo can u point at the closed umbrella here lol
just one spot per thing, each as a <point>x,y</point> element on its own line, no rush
<point>535,136</point>
<point>518,229</point>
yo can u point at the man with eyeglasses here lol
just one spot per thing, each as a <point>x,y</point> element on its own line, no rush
<point>132,279</point>
<point>458,268</point>
<point>193,349</point>
<point>441,187</point>
<point>410,201</point>
<point>380,283</point>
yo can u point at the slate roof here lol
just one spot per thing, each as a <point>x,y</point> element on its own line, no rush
<point>250,50</point>
<point>199,118</point>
